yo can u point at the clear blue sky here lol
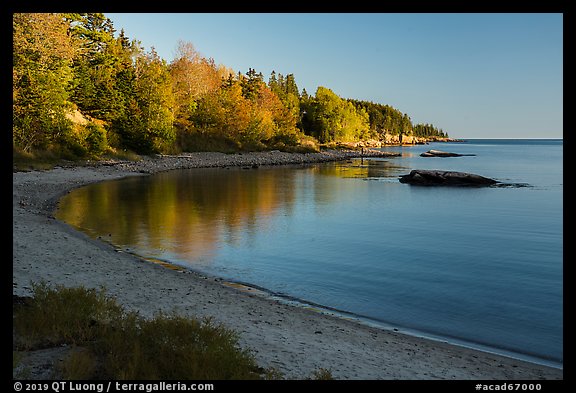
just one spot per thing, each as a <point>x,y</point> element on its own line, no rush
<point>485,75</point>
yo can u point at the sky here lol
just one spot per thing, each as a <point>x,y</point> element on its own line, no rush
<point>474,75</point>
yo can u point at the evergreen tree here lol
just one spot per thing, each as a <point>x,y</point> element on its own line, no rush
<point>96,69</point>
<point>251,83</point>
<point>273,82</point>
<point>152,115</point>
<point>41,75</point>
<point>290,86</point>
<point>287,91</point>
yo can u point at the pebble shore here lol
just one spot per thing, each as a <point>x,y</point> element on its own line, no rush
<point>158,163</point>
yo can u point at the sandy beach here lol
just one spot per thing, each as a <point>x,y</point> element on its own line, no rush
<point>295,340</point>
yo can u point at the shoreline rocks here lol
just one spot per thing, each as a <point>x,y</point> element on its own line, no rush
<point>422,177</point>
<point>158,163</point>
<point>439,153</point>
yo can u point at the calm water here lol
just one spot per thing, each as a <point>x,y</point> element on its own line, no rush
<point>481,266</point>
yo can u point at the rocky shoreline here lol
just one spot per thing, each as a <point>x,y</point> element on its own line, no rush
<point>158,163</point>
<point>295,340</point>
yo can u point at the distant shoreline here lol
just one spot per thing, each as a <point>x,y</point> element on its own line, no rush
<point>293,339</point>
<point>504,139</point>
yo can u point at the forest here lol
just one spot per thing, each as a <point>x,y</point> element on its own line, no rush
<point>83,90</point>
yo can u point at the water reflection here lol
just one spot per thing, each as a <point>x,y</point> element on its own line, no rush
<point>363,169</point>
<point>185,215</point>
<point>178,212</point>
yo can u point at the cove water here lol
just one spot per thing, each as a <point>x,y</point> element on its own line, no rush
<point>477,266</point>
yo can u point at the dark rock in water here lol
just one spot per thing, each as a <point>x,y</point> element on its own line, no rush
<point>445,178</point>
<point>439,153</point>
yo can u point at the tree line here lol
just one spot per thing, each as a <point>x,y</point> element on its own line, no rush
<point>84,89</point>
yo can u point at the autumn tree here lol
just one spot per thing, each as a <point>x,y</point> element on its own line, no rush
<point>246,112</point>
<point>192,77</point>
<point>273,122</point>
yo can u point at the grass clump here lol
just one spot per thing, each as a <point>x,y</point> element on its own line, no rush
<point>81,363</point>
<point>174,347</point>
<point>37,160</point>
<point>322,374</point>
<point>49,158</point>
<point>110,343</point>
<point>64,316</point>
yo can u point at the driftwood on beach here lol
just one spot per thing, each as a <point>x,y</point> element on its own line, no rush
<point>445,178</point>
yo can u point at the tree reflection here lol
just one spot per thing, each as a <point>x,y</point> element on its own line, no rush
<point>187,214</point>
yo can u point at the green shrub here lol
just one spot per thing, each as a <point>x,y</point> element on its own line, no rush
<point>96,139</point>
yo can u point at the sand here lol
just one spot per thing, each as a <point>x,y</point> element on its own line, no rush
<point>294,340</point>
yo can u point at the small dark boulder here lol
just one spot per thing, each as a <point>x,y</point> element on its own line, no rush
<point>440,153</point>
<point>422,177</point>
